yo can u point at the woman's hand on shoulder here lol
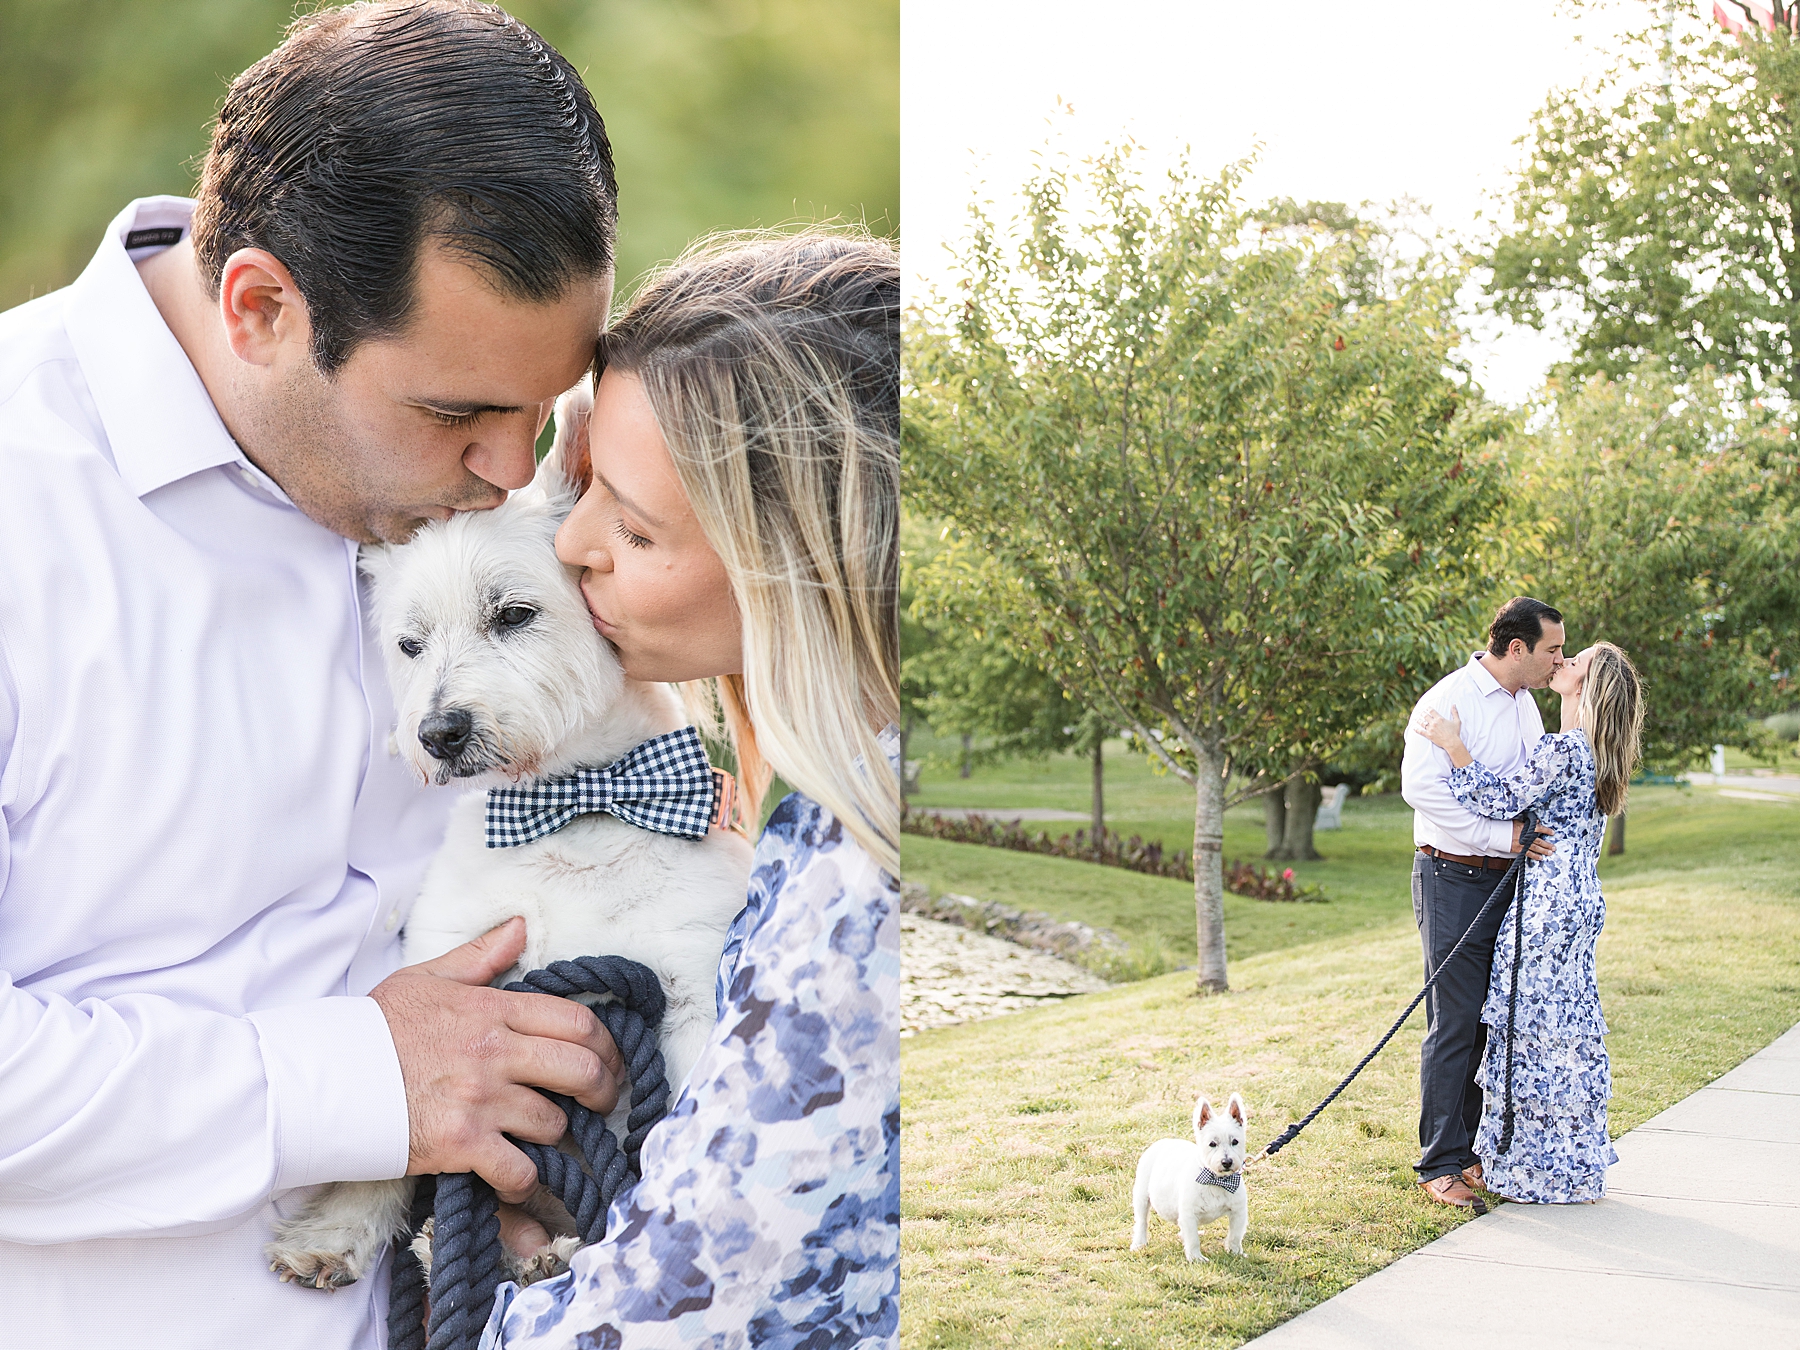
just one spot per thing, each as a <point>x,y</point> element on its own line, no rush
<point>1446,733</point>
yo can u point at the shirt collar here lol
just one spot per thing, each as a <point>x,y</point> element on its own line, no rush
<point>159,419</point>
<point>1484,679</point>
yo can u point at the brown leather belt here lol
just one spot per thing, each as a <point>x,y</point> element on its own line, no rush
<point>1467,859</point>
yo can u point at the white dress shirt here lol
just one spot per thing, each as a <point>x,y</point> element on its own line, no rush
<point>206,850</point>
<point>1499,729</point>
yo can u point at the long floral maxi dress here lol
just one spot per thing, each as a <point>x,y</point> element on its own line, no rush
<point>1561,1079</point>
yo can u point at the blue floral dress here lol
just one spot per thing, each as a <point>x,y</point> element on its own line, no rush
<point>1561,1079</point>
<point>769,1210</point>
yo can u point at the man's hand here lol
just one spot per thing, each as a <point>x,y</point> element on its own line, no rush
<point>471,1055</point>
<point>1540,848</point>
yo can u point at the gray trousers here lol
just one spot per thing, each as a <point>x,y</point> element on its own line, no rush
<point>1446,898</point>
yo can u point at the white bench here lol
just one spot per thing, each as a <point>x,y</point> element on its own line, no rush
<point>1331,808</point>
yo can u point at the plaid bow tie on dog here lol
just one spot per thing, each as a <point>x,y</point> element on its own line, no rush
<point>666,784</point>
<point>1229,1182</point>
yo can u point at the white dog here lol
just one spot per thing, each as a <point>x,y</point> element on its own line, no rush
<point>1191,1184</point>
<point>500,679</point>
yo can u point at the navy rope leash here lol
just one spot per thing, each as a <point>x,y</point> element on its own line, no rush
<point>467,1260</point>
<point>1527,836</point>
<point>406,1286</point>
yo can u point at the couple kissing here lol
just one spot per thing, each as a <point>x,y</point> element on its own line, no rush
<point>1513,1072</point>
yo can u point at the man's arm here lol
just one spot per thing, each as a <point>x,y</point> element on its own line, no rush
<point>130,1116</point>
<point>135,1116</point>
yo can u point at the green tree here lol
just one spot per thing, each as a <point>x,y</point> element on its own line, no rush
<point>976,682</point>
<point>1666,519</point>
<point>1225,503</point>
<point>1659,211</point>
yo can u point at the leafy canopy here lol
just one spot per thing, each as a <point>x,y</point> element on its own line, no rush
<point>961,676</point>
<point>1668,520</point>
<point>1664,217</point>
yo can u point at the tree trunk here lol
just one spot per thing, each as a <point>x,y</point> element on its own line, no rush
<point>1302,811</point>
<point>1209,876</point>
<point>1099,793</point>
<point>968,741</point>
<point>1615,837</point>
<point>1275,820</point>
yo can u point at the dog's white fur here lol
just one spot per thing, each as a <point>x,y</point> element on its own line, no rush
<point>1168,1180</point>
<point>544,696</point>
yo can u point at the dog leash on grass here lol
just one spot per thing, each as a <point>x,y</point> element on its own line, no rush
<point>467,1260</point>
<point>1527,836</point>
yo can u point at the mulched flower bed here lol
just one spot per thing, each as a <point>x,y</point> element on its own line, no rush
<point>1107,849</point>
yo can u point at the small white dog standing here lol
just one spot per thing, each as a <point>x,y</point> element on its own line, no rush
<point>1191,1184</point>
<point>501,680</point>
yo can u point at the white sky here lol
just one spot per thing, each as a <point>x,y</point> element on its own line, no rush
<point>1353,102</point>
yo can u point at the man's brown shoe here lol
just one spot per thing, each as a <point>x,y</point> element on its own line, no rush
<point>1452,1190</point>
<point>1472,1175</point>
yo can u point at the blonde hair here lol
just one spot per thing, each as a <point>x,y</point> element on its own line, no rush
<point>1612,714</point>
<point>772,364</point>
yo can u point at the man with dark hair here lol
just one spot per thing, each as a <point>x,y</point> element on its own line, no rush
<point>401,253</point>
<point>1458,860</point>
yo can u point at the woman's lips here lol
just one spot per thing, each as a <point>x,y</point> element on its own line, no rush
<point>605,629</point>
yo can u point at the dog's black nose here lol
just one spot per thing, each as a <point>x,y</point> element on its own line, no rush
<point>444,734</point>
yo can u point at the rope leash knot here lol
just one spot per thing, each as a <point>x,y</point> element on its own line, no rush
<point>467,1259</point>
<point>1528,836</point>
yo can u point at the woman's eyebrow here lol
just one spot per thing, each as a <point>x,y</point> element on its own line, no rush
<point>626,502</point>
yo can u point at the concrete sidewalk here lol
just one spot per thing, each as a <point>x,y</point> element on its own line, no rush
<point>1696,1243</point>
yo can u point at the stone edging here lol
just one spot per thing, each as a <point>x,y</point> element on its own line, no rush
<point>1070,941</point>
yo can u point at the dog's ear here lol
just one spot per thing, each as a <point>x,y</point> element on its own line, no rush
<point>569,467</point>
<point>1235,1109</point>
<point>1203,1112</point>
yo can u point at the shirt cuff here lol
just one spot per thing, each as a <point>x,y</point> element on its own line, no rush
<point>337,1101</point>
<point>1499,836</point>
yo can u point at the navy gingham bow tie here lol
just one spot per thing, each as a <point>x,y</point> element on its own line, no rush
<point>1229,1182</point>
<point>666,784</point>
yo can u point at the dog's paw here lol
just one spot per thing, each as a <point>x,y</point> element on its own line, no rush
<point>421,1248</point>
<point>340,1234</point>
<point>1197,1256</point>
<point>546,1263</point>
<point>317,1270</point>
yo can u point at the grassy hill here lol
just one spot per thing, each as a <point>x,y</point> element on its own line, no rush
<point>1020,1135</point>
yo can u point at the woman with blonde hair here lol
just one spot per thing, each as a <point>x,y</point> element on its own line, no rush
<point>740,538</point>
<point>1545,1076</point>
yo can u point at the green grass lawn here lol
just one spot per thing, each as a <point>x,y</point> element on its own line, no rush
<point>1364,871</point>
<point>1788,761</point>
<point>1020,1135</point>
